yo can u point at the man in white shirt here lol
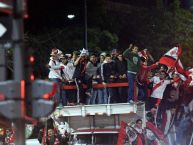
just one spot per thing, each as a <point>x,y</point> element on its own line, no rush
<point>67,74</point>
<point>159,84</point>
<point>55,73</point>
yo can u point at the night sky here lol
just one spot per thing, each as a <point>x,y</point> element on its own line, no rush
<point>44,14</point>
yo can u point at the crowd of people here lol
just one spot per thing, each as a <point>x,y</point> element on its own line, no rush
<point>165,89</point>
<point>164,86</point>
<point>7,136</point>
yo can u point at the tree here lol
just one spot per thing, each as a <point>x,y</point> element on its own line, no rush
<point>67,40</point>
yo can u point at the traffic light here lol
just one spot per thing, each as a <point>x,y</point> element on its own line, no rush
<point>10,89</point>
<point>10,99</point>
<point>42,102</point>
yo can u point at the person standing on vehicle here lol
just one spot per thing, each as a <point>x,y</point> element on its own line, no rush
<point>91,73</point>
<point>79,76</point>
<point>133,66</point>
<point>55,72</point>
<point>121,73</point>
<point>108,75</point>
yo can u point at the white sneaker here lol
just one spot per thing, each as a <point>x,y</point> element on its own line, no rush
<point>131,101</point>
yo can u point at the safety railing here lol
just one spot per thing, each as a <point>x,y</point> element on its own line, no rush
<point>101,86</point>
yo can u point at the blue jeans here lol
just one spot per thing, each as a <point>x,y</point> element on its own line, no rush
<point>92,99</point>
<point>131,78</point>
<point>182,128</point>
<point>102,96</point>
<point>63,96</point>
<point>141,93</point>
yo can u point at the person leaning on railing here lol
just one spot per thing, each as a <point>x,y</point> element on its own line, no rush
<point>91,73</point>
<point>108,75</point>
<point>55,72</point>
<point>121,73</point>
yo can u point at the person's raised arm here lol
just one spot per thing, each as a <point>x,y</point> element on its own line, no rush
<point>127,51</point>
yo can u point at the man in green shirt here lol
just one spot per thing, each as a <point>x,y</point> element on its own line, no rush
<point>133,65</point>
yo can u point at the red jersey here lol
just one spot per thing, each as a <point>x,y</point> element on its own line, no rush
<point>142,76</point>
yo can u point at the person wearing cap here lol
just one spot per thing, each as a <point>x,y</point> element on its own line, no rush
<point>55,70</point>
<point>63,59</point>
<point>67,74</point>
<point>79,75</point>
<point>54,65</point>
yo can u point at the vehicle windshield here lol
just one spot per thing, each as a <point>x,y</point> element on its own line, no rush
<point>95,139</point>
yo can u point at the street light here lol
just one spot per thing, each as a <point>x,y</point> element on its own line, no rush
<point>70,16</point>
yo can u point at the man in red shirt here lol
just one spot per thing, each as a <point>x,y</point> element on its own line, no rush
<point>142,78</point>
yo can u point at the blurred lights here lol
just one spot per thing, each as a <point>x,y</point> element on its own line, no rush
<point>32,77</point>
<point>31,62</point>
<point>3,5</point>
<point>31,59</point>
<point>2,97</point>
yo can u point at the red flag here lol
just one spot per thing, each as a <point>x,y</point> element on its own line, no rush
<point>139,140</point>
<point>188,74</point>
<point>122,134</point>
<point>171,57</point>
<point>44,136</point>
<point>180,69</point>
<point>155,130</point>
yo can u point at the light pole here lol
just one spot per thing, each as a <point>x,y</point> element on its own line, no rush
<point>85,25</point>
<point>18,37</point>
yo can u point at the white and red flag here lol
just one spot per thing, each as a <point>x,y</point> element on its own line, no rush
<point>172,60</point>
<point>185,75</point>
<point>171,57</point>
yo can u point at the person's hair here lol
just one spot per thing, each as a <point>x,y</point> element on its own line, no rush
<point>143,59</point>
<point>163,71</point>
<point>107,55</point>
<point>163,66</point>
<point>133,47</point>
<point>93,54</point>
<point>75,52</point>
<point>138,120</point>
